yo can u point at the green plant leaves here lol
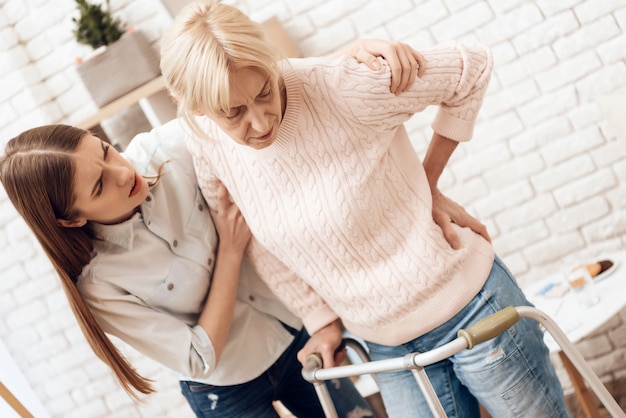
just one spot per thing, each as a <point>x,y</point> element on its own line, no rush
<point>95,26</point>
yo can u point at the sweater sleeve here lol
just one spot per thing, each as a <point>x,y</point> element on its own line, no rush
<point>456,77</point>
<point>298,296</point>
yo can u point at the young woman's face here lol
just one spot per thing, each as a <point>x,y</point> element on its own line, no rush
<point>255,109</point>
<point>107,188</point>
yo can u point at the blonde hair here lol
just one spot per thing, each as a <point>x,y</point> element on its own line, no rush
<point>37,172</point>
<point>208,41</point>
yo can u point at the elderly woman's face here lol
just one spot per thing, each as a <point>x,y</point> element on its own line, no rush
<point>255,109</point>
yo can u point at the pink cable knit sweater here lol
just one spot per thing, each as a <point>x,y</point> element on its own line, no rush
<point>342,200</point>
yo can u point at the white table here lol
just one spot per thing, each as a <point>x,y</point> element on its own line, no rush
<point>577,322</point>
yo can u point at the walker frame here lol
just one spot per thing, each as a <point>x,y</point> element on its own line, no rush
<point>483,330</point>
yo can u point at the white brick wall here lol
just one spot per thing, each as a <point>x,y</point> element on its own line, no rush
<point>545,171</point>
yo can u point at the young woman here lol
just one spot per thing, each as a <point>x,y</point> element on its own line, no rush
<point>136,250</point>
<point>315,154</point>
<point>137,257</point>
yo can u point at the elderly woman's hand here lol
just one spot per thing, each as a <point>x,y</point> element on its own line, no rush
<point>447,212</point>
<point>405,62</point>
<point>327,342</point>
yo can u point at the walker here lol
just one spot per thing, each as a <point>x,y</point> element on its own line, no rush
<point>483,330</point>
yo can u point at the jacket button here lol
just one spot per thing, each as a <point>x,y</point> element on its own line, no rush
<point>175,243</point>
<point>251,298</point>
<point>210,262</point>
<point>170,286</point>
<point>149,199</point>
<point>200,207</point>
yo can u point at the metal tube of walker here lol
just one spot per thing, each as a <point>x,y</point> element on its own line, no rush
<point>576,358</point>
<point>313,364</point>
<point>483,330</point>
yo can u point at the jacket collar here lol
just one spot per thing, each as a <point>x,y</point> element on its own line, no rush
<point>122,233</point>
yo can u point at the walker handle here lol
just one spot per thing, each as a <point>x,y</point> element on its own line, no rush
<point>489,327</point>
<point>314,361</point>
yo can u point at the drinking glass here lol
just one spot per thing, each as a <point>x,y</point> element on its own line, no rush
<point>581,284</point>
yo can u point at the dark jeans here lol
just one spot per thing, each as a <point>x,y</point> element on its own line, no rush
<point>282,381</point>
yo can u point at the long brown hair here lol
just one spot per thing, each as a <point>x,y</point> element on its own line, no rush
<point>37,172</point>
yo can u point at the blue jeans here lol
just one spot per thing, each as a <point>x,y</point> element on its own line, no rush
<point>511,375</point>
<point>282,381</point>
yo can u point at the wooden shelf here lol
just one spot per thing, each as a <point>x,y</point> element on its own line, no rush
<point>146,90</point>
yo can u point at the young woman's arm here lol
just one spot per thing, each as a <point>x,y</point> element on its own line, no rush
<point>234,234</point>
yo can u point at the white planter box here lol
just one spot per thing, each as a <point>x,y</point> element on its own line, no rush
<point>120,68</point>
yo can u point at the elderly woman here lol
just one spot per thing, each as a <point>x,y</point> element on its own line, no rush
<point>315,154</point>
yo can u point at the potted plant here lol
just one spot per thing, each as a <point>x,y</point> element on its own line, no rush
<point>122,60</point>
<point>96,27</point>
